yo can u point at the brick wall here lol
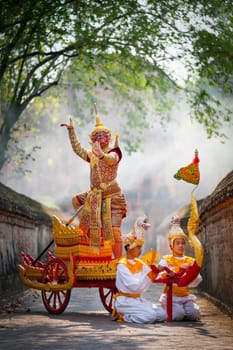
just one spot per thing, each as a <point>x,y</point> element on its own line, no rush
<point>24,226</point>
<point>216,234</point>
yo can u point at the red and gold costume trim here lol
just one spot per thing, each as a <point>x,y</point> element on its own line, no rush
<point>176,265</point>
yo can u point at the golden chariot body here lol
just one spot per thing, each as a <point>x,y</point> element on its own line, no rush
<point>73,264</point>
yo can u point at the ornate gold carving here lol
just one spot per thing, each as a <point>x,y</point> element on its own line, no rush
<point>192,228</point>
<point>67,235</point>
<point>96,270</point>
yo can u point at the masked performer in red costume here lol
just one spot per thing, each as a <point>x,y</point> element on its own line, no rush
<point>104,206</point>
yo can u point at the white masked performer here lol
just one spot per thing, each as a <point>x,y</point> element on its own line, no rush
<point>132,279</point>
<point>184,305</point>
<point>104,204</point>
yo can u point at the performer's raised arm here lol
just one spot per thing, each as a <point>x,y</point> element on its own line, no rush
<point>76,145</point>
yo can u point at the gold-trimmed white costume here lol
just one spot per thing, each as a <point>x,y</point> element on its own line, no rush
<point>184,304</point>
<point>133,278</point>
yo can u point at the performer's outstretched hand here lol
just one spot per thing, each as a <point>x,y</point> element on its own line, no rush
<point>97,149</point>
<point>69,126</point>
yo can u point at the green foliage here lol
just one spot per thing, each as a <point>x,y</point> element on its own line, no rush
<point>126,91</point>
<point>213,51</point>
<point>120,50</point>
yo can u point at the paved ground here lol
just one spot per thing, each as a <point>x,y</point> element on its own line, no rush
<point>86,325</point>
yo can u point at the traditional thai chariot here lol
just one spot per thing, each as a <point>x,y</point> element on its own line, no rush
<point>75,264</point>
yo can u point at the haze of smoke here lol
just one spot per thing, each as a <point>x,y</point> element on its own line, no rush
<point>145,177</point>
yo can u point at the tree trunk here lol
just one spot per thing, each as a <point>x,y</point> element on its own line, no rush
<point>10,118</point>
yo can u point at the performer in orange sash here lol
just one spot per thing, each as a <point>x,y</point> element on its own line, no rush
<point>104,204</point>
<point>183,303</point>
<point>133,278</point>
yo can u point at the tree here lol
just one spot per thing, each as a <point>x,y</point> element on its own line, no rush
<point>126,90</point>
<point>40,39</point>
<point>213,51</point>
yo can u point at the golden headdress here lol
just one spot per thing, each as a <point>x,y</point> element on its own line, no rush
<point>99,126</point>
<point>175,231</point>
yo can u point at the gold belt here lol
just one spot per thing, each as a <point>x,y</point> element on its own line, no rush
<point>129,295</point>
<point>108,188</point>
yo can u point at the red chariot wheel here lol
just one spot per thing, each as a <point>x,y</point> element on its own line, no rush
<point>55,272</point>
<point>106,296</point>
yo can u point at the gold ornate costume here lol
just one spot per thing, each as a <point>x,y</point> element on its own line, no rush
<point>104,204</point>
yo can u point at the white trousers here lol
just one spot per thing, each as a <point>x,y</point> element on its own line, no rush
<point>182,307</point>
<point>139,310</point>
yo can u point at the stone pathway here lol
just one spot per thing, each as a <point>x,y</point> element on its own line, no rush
<point>86,325</point>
